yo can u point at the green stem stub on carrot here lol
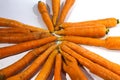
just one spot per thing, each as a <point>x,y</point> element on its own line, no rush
<point>107,30</point>
<point>118,21</point>
<point>2,77</point>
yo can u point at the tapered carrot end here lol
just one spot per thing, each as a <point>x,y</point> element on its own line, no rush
<point>60,32</point>
<point>118,21</point>
<point>56,28</point>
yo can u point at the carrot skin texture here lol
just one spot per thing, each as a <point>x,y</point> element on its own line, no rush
<point>94,57</point>
<point>45,15</point>
<point>108,22</point>
<point>65,10</point>
<point>56,10</point>
<point>58,67</point>
<point>23,62</point>
<point>34,67</point>
<point>101,71</point>
<point>15,49</point>
<point>47,67</point>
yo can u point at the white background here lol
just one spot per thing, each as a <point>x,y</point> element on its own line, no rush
<point>26,11</point>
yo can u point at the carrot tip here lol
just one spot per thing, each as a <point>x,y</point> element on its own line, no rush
<point>107,30</point>
<point>118,21</point>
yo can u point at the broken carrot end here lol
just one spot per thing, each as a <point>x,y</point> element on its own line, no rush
<point>107,30</point>
<point>118,21</point>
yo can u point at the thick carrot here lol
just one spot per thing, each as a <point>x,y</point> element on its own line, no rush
<point>56,10</point>
<point>34,67</point>
<point>45,15</point>
<point>15,49</point>
<point>88,31</point>
<point>23,62</point>
<point>108,22</point>
<point>71,66</point>
<point>65,10</point>
<point>83,40</point>
<point>94,57</point>
<point>23,38</point>
<point>58,67</point>
<point>47,67</point>
<point>93,67</point>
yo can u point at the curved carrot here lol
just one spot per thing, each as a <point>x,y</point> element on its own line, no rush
<point>65,10</point>
<point>89,31</point>
<point>47,67</point>
<point>94,57</point>
<point>14,49</point>
<point>23,62</point>
<point>34,67</point>
<point>108,22</point>
<point>56,10</point>
<point>58,67</point>
<point>45,16</point>
<point>93,67</point>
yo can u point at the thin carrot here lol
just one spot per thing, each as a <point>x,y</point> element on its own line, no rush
<point>93,67</point>
<point>47,67</point>
<point>58,67</point>
<point>56,10</point>
<point>23,62</point>
<point>71,67</point>
<point>108,22</point>
<point>97,30</point>
<point>13,23</point>
<point>45,15</point>
<point>23,38</point>
<point>94,57</point>
<point>65,10</point>
<point>15,49</point>
<point>34,67</point>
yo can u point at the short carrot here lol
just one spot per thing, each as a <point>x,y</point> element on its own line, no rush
<point>47,67</point>
<point>23,62</point>
<point>55,10</point>
<point>14,49</point>
<point>45,15</point>
<point>89,31</point>
<point>108,22</point>
<point>93,67</point>
<point>58,67</point>
<point>94,57</point>
<point>4,22</point>
<point>71,67</point>
<point>65,10</point>
<point>34,67</point>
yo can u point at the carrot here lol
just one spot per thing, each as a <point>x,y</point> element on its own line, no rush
<point>34,67</point>
<point>83,40</point>
<point>15,49</point>
<point>56,10</point>
<point>65,10</point>
<point>71,67</point>
<point>93,67</point>
<point>108,22</point>
<point>94,57</point>
<point>88,31</point>
<point>23,38</point>
<point>23,62</point>
<point>47,67</point>
<point>58,66</point>
<point>13,23</point>
<point>45,15</point>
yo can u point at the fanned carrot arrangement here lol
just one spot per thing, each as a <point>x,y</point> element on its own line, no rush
<point>47,56</point>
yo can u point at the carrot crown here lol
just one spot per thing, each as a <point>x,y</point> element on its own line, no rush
<point>118,21</point>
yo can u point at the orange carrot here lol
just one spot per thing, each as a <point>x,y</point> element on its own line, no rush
<point>58,66</point>
<point>23,62</point>
<point>108,22</point>
<point>94,57</point>
<point>83,40</point>
<point>23,38</point>
<point>88,31</point>
<point>71,67</point>
<point>34,67</point>
<point>15,49</point>
<point>56,10</point>
<point>93,67</point>
<point>45,15</point>
<point>47,67</point>
<point>65,10</point>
